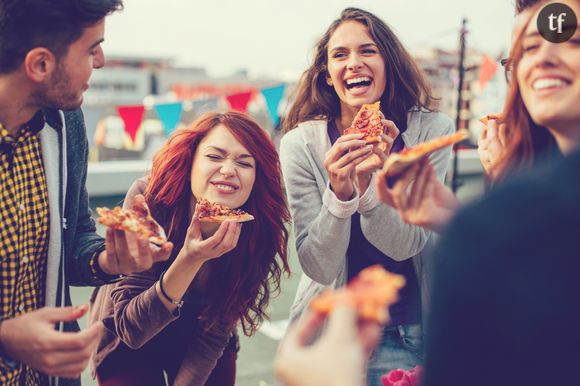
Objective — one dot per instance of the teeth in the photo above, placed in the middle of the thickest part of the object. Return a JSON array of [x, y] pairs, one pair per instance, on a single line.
[[544, 83], [358, 80], [227, 188]]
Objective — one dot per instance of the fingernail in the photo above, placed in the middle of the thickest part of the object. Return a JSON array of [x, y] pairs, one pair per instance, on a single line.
[[81, 308]]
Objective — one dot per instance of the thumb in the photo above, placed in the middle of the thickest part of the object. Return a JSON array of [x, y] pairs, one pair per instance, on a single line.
[[64, 314], [194, 231], [342, 323]]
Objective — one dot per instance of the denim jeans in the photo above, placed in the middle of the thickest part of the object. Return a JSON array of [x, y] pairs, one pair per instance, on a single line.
[[400, 347]]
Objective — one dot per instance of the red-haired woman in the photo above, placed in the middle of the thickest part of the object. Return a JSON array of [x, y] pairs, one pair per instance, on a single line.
[[180, 317]]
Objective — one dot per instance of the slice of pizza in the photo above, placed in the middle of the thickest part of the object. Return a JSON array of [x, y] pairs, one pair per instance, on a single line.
[[368, 120], [371, 292], [212, 212], [486, 118], [397, 163], [138, 219]]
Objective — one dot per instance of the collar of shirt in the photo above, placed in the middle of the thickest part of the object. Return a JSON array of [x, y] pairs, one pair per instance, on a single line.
[[32, 127]]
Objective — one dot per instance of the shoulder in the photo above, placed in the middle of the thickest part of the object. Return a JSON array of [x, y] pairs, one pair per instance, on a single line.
[[423, 125], [311, 132]]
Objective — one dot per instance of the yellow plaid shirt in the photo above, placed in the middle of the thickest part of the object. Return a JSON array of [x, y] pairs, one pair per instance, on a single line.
[[24, 231]]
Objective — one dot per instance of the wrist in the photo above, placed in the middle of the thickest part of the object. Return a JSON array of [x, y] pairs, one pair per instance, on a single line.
[[101, 269], [4, 355]]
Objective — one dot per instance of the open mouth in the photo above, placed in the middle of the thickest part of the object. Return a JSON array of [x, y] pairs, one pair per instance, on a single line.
[[361, 81]]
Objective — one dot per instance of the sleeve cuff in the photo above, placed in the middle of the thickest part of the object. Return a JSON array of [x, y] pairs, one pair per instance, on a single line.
[[338, 208], [369, 199]]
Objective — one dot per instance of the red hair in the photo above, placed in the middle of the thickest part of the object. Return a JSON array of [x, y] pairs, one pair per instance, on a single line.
[[242, 281]]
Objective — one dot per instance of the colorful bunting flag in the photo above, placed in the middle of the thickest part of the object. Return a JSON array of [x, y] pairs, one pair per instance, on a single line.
[[132, 117], [169, 114], [273, 97], [487, 71], [240, 101]]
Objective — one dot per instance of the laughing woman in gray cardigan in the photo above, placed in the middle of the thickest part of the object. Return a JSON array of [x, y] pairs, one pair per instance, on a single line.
[[340, 225]]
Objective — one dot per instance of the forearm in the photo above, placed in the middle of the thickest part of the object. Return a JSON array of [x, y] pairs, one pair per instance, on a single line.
[[176, 280]]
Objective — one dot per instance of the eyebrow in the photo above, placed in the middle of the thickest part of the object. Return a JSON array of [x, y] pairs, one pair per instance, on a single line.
[[95, 44], [366, 45], [224, 152]]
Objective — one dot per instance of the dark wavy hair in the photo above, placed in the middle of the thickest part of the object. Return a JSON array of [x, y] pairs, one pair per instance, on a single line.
[[528, 141], [242, 281], [54, 24], [406, 85]]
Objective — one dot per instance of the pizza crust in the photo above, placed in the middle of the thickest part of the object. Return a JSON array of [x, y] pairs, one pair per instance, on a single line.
[[397, 163], [217, 219]]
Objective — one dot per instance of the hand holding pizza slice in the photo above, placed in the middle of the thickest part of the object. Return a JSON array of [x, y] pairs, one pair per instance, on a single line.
[[372, 291], [138, 219], [369, 121], [397, 163], [212, 212]]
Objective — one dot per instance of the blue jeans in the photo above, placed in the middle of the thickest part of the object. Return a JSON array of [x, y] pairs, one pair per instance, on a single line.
[[400, 347]]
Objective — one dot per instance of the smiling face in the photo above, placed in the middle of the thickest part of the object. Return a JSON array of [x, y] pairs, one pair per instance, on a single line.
[[223, 170], [548, 76], [356, 68]]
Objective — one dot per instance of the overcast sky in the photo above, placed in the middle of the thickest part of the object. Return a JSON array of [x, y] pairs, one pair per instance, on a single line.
[[275, 37]]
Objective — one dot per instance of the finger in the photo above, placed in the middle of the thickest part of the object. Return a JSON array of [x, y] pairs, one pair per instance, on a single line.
[[111, 249], [482, 134], [130, 261], [503, 135], [492, 129], [382, 189], [216, 239], [194, 230], [369, 334], [342, 323], [417, 194], [54, 315], [302, 331], [391, 128], [349, 157], [342, 146], [77, 341], [163, 253], [401, 188], [122, 250], [228, 242]]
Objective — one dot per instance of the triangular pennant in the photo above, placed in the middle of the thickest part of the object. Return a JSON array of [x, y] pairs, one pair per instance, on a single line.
[[487, 71], [169, 114], [132, 117], [273, 97], [240, 101]]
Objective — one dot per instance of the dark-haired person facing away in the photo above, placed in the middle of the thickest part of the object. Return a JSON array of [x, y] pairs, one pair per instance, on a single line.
[[48, 50]]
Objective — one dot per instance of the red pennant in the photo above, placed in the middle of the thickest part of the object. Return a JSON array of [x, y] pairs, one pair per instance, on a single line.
[[487, 71], [240, 101], [132, 116]]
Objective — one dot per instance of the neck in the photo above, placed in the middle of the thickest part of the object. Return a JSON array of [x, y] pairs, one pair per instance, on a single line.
[[15, 106], [568, 140]]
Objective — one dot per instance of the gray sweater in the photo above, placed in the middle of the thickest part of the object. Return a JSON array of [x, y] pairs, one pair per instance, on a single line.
[[322, 222]]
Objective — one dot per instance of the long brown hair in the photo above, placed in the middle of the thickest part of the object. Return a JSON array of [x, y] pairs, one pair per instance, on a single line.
[[406, 85], [242, 281], [527, 141]]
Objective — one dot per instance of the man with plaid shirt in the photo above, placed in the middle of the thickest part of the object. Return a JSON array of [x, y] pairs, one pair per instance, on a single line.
[[48, 49]]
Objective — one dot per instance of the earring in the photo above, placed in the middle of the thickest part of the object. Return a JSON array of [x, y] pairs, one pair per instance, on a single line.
[[329, 82]]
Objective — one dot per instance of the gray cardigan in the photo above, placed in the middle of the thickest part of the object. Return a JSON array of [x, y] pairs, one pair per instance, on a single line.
[[322, 221]]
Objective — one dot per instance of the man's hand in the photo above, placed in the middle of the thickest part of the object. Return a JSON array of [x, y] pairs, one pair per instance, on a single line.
[[491, 146], [31, 339], [127, 253], [338, 358]]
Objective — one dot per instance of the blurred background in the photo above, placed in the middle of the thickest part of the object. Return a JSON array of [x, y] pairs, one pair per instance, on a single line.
[[168, 62]]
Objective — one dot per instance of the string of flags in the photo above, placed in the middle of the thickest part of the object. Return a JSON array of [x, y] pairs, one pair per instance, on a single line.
[[170, 113]]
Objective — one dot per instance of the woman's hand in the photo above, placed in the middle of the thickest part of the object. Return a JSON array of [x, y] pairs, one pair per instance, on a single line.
[[375, 161], [222, 241], [341, 162], [491, 145], [426, 202]]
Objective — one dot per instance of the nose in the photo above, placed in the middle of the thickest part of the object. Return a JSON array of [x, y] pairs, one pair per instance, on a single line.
[[99, 60], [354, 63], [228, 168], [547, 54]]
